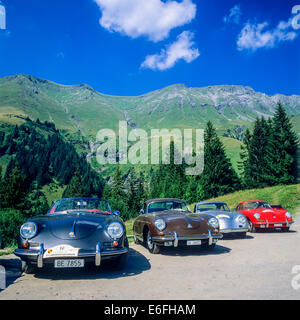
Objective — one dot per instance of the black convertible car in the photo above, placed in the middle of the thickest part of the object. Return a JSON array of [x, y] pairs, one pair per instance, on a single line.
[[74, 233]]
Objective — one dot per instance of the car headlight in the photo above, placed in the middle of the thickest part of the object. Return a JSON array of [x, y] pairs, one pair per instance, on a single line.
[[288, 214], [256, 216], [28, 230], [115, 230], [213, 222], [242, 219], [160, 224]]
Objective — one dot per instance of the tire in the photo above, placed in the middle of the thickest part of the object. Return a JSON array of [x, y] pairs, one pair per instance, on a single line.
[[207, 246], [286, 229], [28, 268], [151, 246], [136, 240], [251, 227]]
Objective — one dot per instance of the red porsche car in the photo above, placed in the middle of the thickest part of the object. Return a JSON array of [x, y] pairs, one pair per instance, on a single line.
[[261, 215]]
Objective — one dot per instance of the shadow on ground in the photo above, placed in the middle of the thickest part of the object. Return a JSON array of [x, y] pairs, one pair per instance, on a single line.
[[234, 237], [12, 270], [193, 251], [136, 264]]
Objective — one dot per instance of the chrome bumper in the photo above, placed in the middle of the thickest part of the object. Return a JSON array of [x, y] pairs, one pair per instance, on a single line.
[[175, 238], [37, 256], [267, 223], [238, 230]]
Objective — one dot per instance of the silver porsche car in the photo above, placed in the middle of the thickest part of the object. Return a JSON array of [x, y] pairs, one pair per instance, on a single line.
[[232, 223]]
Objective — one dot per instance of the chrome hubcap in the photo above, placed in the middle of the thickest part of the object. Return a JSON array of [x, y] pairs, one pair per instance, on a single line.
[[149, 241]]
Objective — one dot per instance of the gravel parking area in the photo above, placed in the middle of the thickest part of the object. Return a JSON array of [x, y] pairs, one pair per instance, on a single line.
[[258, 267]]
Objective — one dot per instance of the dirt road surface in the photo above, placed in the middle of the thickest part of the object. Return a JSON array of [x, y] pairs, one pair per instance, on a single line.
[[258, 267]]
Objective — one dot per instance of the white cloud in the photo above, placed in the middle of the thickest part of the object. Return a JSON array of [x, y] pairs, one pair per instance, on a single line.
[[182, 48], [2, 17], [234, 15], [151, 18], [255, 36]]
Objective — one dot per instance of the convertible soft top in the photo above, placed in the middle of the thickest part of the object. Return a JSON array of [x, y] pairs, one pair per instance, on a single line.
[[164, 199]]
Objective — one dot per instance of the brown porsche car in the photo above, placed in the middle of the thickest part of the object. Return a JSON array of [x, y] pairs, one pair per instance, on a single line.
[[170, 223]]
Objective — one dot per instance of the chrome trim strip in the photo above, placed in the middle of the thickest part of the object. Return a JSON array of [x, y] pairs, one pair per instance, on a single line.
[[267, 223], [175, 240], [40, 256], [172, 238], [210, 239], [98, 255], [35, 254]]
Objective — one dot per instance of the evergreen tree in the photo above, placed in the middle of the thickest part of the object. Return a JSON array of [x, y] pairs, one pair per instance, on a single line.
[[218, 176], [282, 150], [75, 187], [13, 190]]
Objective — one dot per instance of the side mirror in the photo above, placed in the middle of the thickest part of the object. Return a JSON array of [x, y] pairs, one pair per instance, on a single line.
[[116, 213], [142, 211]]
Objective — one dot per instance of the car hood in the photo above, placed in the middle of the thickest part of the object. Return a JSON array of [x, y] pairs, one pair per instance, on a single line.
[[270, 213], [74, 226], [220, 214], [183, 221]]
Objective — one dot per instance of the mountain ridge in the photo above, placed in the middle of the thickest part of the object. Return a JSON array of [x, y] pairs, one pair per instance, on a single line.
[[81, 107]]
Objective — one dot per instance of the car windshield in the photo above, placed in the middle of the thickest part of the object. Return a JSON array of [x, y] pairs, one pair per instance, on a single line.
[[212, 206], [65, 206], [167, 205], [257, 205]]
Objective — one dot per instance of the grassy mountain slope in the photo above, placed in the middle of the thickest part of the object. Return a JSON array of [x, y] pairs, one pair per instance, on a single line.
[[81, 107], [287, 196]]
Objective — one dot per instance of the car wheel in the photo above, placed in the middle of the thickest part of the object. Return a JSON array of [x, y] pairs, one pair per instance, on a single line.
[[28, 268], [136, 240], [207, 246], [286, 229], [151, 246], [251, 227]]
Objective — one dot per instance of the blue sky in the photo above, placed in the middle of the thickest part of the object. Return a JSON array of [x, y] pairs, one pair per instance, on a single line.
[[143, 45]]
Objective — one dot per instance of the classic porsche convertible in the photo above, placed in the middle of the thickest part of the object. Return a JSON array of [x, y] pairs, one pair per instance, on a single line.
[[261, 215], [232, 223], [170, 223], [75, 232]]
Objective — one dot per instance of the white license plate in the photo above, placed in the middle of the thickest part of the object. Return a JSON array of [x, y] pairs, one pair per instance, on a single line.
[[277, 224], [194, 242], [68, 263]]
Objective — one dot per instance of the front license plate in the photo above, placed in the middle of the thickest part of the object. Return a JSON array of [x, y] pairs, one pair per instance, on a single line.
[[194, 242], [278, 225], [68, 263]]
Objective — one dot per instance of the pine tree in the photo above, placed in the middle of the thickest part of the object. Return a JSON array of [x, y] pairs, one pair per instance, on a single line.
[[218, 176], [75, 187], [13, 191], [282, 150]]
